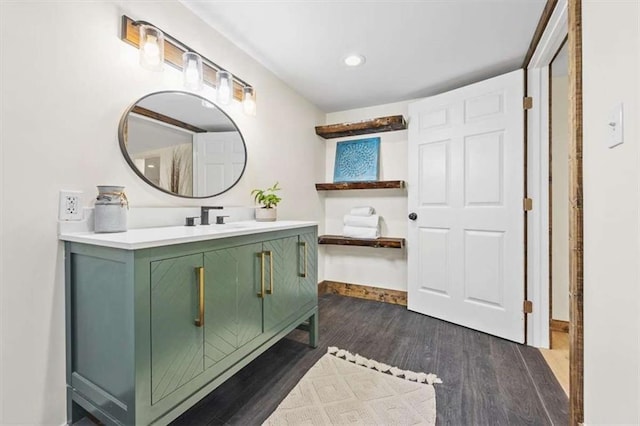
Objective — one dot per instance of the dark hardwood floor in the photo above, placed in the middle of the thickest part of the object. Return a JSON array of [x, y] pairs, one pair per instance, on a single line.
[[487, 380]]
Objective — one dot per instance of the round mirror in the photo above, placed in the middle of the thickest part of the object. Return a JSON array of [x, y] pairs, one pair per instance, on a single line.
[[182, 144]]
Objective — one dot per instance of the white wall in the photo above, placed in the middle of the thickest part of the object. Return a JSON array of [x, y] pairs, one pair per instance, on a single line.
[[386, 268], [611, 46], [560, 197], [66, 78]]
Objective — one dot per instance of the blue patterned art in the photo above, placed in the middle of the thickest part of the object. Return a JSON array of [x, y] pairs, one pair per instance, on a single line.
[[357, 161]]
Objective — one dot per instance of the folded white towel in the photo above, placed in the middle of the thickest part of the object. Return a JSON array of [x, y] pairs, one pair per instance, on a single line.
[[357, 232], [362, 211], [362, 221]]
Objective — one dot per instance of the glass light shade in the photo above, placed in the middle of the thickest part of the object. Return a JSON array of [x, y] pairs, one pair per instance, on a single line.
[[249, 101], [224, 87], [151, 48], [192, 71]]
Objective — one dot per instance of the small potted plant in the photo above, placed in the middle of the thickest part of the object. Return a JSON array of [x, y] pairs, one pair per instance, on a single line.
[[269, 200]]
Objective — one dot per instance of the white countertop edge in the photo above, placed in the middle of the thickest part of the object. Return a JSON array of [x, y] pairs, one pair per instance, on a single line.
[[135, 239]]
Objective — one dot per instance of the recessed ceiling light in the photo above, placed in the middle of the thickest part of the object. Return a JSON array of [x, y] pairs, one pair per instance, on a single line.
[[354, 60]]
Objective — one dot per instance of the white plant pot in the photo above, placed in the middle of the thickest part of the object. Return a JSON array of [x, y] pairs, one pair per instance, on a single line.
[[266, 215]]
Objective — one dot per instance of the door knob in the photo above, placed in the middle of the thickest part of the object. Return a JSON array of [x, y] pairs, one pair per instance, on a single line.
[[413, 216]]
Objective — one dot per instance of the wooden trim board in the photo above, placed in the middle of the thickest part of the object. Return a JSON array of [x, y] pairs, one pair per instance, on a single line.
[[576, 215], [137, 109], [559, 325], [537, 35], [381, 242], [396, 297], [342, 186], [375, 125]]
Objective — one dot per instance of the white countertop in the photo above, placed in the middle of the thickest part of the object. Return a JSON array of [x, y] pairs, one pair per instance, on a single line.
[[135, 239]]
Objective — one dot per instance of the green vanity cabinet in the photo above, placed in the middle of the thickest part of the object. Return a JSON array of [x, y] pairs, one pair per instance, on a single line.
[[151, 331], [177, 354], [281, 280], [233, 314], [290, 279], [308, 255]]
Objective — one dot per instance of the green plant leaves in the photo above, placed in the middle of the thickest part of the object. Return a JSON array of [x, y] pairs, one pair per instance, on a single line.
[[267, 197]]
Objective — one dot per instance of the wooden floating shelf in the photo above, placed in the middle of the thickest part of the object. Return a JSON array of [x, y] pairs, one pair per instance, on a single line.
[[341, 186], [375, 125], [381, 242]]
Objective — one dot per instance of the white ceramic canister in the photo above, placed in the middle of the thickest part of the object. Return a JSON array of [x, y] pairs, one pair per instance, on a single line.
[[111, 209]]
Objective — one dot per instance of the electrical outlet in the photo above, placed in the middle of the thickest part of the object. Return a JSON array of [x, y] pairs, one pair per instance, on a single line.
[[70, 205]]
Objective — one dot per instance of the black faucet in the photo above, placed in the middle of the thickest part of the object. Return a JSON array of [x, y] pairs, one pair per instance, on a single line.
[[204, 213]]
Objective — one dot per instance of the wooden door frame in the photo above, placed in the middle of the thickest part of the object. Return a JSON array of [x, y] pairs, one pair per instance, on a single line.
[[557, 15], [576, 216]]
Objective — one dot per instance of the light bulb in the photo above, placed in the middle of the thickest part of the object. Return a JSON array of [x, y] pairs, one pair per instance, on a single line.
[[151, 48], [224, 87], [192, 70], [249, 101], [223, 92]]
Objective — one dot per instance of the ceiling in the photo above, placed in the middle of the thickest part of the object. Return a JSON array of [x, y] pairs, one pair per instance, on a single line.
[[413, 48], [189, 109]]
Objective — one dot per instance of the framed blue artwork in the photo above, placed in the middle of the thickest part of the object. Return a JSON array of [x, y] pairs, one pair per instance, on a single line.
[[357, 161]]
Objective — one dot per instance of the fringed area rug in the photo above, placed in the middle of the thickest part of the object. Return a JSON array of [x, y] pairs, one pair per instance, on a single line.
[[346, 389]]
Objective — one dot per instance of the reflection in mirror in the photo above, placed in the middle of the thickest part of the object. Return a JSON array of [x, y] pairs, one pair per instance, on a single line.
[[182, 144], [559, 197]]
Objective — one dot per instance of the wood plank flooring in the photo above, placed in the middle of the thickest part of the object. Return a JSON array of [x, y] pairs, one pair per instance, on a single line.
[[558, 358], [487, 380]]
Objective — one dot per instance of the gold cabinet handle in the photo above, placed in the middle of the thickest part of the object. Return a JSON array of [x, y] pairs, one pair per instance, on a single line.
[[261, 294], [304, 272], [200, 320], [271, 288]]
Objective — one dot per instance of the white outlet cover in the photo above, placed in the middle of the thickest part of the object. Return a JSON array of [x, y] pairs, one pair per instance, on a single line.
[[70, 205], [615, 126]]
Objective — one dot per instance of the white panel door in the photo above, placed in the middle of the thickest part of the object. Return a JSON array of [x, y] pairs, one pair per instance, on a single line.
[[218, 160], [466, 186]]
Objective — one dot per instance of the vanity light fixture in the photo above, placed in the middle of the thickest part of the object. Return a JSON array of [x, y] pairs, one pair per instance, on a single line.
[[224, 87], [157, 47], [152, 48], [249, 101]]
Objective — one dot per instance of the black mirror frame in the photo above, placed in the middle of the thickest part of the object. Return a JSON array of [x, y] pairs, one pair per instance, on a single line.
[[127, 157]]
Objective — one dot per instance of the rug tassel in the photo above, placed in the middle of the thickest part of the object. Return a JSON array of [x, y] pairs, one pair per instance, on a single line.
[[410, 375], [357, 359], [396, 372]]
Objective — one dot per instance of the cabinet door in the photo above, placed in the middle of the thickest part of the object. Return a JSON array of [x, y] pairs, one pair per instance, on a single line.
[[308, 269], [233, 310], [176, 341], [281, 277]]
